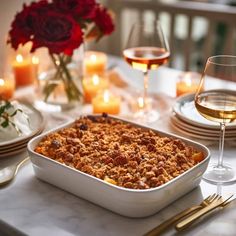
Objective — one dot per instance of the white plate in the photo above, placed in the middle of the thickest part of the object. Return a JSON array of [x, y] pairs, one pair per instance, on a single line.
[[20, 143], [17, 145], [203, 135], [17, 148], [184, 108], [188, 134], [14, 151], [8, 149], [36, 125], [198, 130]]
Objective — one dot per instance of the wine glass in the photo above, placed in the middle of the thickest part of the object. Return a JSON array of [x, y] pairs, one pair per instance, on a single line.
[[218, 103], [146, 49]]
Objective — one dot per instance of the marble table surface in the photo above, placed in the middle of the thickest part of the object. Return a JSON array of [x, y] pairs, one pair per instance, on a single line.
[[32, 207]]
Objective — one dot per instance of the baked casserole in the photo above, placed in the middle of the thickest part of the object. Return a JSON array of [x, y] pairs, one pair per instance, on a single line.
[[119, 153]]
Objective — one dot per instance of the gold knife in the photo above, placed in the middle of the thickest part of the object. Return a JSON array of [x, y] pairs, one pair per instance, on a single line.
[[165, 225], [192, 218]]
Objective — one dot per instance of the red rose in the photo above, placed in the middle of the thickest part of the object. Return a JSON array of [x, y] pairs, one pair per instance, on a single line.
[[78, 8], [22, 26], [103, 20], [57, 24], [58, 32]]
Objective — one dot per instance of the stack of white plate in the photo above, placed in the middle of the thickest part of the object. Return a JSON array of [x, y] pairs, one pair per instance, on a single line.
[[13, 145], [187, 120]]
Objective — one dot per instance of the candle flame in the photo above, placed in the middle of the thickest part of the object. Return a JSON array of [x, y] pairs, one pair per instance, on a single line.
[[35, 60], [95, 79], [93, 57], [140, 102], [19, 58], [2, 82], [188, 80], [106, 96]]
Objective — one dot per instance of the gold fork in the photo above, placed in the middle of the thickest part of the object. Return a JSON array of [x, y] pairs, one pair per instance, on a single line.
[[218, 202], [163, 226]]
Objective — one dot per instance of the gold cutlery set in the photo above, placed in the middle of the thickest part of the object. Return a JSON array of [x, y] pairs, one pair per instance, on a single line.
[[190, 215]]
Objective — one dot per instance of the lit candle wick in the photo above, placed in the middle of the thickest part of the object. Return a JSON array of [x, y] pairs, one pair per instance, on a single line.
[[106, 97], [2, 82], [140, 102], [188, 81], [96, 80], [19, 58], [93, 58], [35, 60]]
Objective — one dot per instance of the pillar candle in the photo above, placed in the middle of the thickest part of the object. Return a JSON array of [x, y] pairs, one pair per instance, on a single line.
[[106, 102], [7, 88], [92, 85], [24, 71], [95, 62], [188, 83]]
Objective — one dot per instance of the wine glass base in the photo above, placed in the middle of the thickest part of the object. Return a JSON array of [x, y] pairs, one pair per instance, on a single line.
[[220, 175], [145, 117]]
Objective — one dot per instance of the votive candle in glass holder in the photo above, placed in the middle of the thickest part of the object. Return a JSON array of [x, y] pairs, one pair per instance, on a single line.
[[92, 84], [106, 102], [7, 88], [136, 104], [187, 83], [95, 62]]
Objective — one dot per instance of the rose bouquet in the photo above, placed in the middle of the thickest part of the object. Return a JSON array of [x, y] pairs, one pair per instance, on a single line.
[[61, 26]]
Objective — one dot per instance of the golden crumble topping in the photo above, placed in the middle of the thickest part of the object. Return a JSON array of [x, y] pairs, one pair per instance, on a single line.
[[119, 153]]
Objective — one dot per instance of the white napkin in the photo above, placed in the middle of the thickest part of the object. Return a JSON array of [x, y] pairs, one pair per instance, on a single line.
[[20, 120]]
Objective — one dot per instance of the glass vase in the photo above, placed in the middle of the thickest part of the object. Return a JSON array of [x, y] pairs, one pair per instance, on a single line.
[[59, 88]]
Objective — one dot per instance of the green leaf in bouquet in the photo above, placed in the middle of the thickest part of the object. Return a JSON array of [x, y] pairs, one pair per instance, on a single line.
[[48, 89]]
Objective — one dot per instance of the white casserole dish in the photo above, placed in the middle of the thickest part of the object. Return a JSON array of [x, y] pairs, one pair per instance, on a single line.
[[127, 202]]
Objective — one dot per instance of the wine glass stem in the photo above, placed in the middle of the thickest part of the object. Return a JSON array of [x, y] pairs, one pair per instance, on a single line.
[[221, 145], [145, 85]]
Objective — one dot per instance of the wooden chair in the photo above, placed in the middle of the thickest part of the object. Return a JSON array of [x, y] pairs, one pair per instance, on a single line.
[[218, 20]]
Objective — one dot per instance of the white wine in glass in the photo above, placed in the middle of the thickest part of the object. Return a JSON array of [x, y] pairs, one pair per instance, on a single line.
[[146, 49], [218, 104]]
